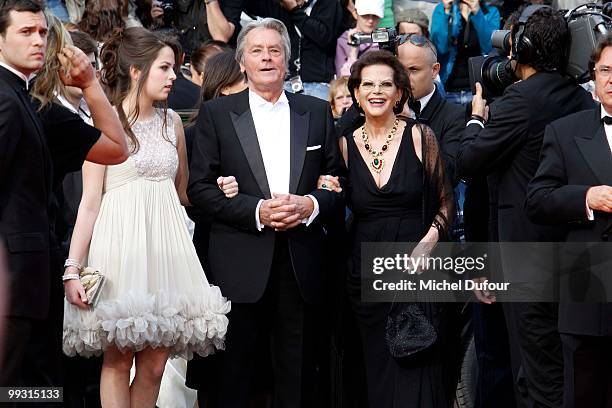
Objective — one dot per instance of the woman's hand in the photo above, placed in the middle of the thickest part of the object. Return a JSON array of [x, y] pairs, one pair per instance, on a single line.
[[74, 290], [330, 183], [228, 185], [419, 256], [448, 5], [474, 5]]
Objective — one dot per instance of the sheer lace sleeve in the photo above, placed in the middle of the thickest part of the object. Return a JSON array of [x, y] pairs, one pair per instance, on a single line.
[[438, 197]]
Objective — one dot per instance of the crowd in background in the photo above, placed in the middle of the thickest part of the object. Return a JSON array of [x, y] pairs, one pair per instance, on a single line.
[[325, 59]]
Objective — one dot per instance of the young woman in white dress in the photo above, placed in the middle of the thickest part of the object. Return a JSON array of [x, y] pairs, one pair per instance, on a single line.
[[157, 302]]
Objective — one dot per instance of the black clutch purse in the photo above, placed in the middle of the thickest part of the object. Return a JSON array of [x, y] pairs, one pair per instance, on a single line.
[[408, 330]]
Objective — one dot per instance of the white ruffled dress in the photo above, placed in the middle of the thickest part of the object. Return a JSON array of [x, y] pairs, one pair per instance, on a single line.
[[156, 293]]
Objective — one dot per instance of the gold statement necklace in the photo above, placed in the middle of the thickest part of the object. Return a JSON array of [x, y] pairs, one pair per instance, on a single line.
[[378, 162]]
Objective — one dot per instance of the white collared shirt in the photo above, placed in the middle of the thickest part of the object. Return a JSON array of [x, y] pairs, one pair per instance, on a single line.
[[19, 74], [272, 124], [273, 133], [425, 100], [83, 110]]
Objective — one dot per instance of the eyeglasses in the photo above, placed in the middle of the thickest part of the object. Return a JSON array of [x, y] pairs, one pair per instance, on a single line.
[[417, 40], [604, 71], [385, 86]]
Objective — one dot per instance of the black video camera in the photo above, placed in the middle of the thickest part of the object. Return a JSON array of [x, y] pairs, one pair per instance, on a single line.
[[586, 23], [386, 38], [168, 18]]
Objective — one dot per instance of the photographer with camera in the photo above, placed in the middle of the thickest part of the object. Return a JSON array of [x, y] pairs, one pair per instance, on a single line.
[[461, 29], [367, 14], [508, 147]]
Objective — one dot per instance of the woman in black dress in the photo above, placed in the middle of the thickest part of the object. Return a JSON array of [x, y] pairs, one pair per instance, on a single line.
[[392, 166]]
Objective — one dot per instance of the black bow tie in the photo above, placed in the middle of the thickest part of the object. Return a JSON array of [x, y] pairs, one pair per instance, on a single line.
[[415, 106], [607, 120]]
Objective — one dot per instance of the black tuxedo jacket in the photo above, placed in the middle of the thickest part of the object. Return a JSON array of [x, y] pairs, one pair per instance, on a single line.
[[25, 184], [184, 95], [575, 156], [447, 120], [226, 143], [509, 147]]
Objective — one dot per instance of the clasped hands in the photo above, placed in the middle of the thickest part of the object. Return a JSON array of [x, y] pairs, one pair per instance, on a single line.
[[281, 212], [285, 211]]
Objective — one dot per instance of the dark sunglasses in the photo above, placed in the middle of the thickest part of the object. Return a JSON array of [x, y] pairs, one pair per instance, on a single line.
[[417, 40]]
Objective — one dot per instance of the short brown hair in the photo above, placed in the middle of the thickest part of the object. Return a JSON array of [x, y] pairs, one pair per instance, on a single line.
[[84, 42], [400, 78], [603, 43], [6, 6]]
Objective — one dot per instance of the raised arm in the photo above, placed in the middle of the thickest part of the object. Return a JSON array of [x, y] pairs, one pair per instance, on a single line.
[[111, 147], [219, 27]]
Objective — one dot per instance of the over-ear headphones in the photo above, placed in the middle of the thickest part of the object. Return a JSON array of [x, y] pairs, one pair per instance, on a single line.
[[523, 50]]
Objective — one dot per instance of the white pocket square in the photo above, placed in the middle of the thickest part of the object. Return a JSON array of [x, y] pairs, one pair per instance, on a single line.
[[311, 148]]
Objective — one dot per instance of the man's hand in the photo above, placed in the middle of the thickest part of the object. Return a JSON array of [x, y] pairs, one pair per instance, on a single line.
[[279, 207], [302, 209], [599, 198], [484, 295], [479, 105], [76, 68]]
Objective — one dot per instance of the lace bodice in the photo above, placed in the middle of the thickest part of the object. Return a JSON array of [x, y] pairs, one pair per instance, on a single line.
[[156, 158]]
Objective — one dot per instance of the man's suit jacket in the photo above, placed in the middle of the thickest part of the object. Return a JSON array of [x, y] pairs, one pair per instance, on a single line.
[[185, 94], [575, 156], [226, 143], [447, 120], [25, 184], [509, 146]]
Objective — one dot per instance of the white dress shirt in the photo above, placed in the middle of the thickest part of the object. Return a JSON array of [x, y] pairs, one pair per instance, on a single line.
[[608, 130], [272, 124], [83, 110], [425, 100]]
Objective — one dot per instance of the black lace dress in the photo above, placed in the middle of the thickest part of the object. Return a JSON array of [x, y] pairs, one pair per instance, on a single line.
[[393, 213]]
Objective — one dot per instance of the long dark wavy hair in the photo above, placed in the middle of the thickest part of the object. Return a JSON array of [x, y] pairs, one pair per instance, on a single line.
[[131, 47], [102, 16], [222, 70]]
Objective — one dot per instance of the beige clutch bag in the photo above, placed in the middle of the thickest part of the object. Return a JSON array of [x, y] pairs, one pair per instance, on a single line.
[[93, 281]]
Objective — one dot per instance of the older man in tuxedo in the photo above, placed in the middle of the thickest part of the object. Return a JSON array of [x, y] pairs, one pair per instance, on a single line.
[[266, 243], [573, 187]]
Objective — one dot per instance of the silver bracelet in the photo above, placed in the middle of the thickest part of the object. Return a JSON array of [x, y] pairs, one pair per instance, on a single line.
[[73, 262], [70, 276]]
